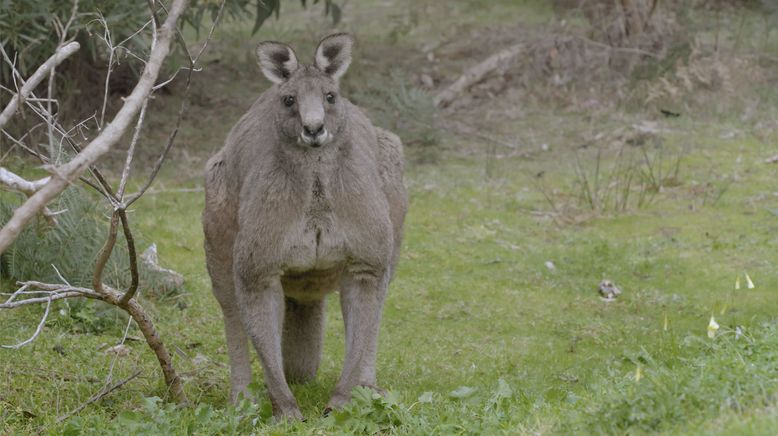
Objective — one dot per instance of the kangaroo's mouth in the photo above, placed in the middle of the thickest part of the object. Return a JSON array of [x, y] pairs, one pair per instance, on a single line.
[[315, 141]]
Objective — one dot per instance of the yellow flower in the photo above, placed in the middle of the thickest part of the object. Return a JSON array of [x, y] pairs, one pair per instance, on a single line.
[[713, 326], [749, 283]]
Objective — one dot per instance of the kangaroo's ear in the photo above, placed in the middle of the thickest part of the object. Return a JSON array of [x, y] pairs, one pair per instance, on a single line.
[[276, 60], [333, 55]]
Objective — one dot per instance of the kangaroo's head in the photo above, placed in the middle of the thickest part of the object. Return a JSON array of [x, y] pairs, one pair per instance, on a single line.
[[308, 108]]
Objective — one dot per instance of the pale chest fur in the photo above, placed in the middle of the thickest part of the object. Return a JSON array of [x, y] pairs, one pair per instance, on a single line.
[[315, 239]]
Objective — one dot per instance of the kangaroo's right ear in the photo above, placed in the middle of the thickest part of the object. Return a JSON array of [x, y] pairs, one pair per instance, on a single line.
[[276, 60]]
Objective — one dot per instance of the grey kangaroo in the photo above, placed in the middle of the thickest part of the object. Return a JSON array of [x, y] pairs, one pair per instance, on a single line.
[[305, 198]]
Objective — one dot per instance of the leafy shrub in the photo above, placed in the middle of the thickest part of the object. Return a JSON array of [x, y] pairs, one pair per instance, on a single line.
[[71, 246], [70, 249], [29, 28]]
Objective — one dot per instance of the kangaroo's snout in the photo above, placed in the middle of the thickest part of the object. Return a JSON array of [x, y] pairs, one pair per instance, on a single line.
[[315, 135], [312, 115], [314, 130]]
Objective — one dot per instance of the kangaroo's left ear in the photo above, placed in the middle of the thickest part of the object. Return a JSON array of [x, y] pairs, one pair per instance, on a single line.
[[333, 55]]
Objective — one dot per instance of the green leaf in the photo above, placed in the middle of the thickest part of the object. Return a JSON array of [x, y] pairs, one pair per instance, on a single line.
[[265, 9], [336, 14]]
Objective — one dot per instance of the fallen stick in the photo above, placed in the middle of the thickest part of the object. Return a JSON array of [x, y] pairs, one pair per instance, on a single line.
[[476, 73], [98, 396]]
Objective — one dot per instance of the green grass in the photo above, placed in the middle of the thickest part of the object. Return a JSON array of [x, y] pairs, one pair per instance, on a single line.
[[473, 304], [478, 335]]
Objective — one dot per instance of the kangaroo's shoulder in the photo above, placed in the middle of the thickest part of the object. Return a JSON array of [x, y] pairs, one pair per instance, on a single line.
[[358, 119]]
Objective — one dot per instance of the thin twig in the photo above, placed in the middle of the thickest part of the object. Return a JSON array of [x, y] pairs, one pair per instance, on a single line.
[[618, 49], [99, 395], [60, 55], [131, 151]]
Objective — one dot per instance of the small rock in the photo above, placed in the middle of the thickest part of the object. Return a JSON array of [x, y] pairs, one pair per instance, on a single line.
[[427, 81], [166, 278], [545, 147], [608, 290], [550, 265]]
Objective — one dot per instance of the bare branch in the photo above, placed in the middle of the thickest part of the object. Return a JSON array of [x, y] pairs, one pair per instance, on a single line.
[[110, 135], [60, 55], [133, 259], [105, 254], [37, 330], [13, 182]]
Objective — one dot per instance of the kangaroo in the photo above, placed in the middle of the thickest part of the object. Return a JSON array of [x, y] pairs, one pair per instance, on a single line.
[[305, 198]]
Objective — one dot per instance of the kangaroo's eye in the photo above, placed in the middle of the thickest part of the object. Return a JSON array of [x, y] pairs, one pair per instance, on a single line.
[[289, 101], [330, 98]]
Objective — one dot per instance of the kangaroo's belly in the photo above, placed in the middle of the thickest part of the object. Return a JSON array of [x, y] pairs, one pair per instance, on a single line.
[[316, 257]]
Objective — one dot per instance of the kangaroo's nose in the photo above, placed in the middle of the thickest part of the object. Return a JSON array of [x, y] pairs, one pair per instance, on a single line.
[[313, 130]]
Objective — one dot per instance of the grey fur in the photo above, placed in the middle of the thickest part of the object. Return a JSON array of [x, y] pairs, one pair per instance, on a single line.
[[290, 218]]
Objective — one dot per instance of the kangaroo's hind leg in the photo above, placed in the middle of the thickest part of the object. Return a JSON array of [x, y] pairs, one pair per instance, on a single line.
[[302, 339]]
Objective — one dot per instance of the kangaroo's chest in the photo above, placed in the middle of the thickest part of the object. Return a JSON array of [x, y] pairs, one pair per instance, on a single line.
[[316, 238]]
